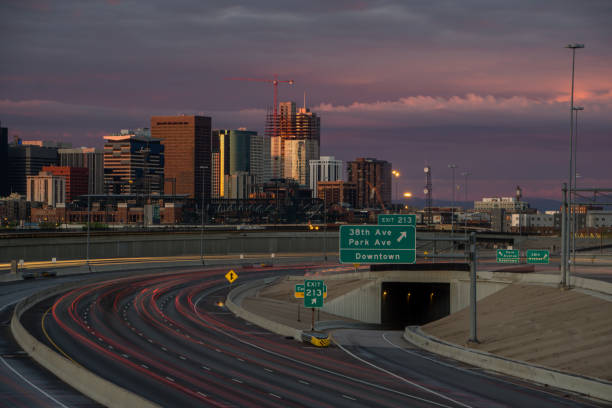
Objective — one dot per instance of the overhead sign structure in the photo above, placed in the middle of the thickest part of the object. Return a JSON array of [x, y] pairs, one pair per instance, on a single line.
[[538, 256], [313, 293], [231, 276], [507, 256], [299, 291], [377, 244], [396, 219]]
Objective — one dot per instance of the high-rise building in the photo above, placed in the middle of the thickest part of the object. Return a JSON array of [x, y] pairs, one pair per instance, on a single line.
[[297, 156], [76, 180], [27, 160], [337, 192], [4, 162], [327, 168], [90, 158], [187, 144], [133, 163], [373, 180], [292, 124], [46, 188], [235, 151], [239, 185]]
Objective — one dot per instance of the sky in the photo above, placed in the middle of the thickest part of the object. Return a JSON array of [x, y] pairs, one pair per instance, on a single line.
[[482, 84]]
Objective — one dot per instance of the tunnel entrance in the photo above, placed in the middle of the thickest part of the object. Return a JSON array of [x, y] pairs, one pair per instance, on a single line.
[[411, 303]]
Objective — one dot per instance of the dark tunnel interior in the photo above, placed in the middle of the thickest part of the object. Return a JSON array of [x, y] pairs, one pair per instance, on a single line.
[[410, 303]]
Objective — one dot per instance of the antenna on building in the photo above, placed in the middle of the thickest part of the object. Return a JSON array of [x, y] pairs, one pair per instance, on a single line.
[[304, 101]]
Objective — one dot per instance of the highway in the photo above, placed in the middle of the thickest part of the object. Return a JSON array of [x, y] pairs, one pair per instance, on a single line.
[[170, 339]]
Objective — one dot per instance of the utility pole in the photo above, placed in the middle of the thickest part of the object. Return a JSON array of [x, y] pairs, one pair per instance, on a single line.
[[453, 167], [473, 297], [203, 168]]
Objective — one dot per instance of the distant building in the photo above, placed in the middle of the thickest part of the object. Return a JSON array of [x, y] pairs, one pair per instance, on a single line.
[[46, 188], [326, 168], [46, 143], [297, 156], [373, 180], [133, 163], [76, 180], [292, 124], [4, 163], [90, 158], [506, 203], [599, 219], [187, 144], [239, 185], [27, 160], [337, 192]]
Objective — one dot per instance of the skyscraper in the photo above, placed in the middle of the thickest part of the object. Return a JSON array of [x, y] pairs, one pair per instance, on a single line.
[[373, 180], [293, 124], [4, 164], [297, 156], [327, 168], [238, 151], [187, 143], [133, 163], [90, 158], [27, 160], [76, 180]]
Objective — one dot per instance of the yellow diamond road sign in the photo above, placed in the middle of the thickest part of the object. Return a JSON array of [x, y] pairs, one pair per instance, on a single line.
[[231, 276]]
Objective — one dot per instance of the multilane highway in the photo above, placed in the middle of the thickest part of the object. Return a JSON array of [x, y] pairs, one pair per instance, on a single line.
[[170, 339]]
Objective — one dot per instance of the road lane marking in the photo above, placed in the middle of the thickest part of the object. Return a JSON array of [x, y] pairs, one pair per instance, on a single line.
[[144, 366], [183, 357], [42, 324], [202, 394], [349, 397], [268, 370], [237, 380], [304, 382], [170, 379], [206, 368], [274, 395], [403, 379]]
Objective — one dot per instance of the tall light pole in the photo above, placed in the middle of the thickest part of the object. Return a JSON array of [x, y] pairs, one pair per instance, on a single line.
[[465, 174], [453, 167], [203, 168], [396, 174], [575, 109], [568, 214]]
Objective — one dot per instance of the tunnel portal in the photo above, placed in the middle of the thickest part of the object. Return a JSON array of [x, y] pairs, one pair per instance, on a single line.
[[411, 303]]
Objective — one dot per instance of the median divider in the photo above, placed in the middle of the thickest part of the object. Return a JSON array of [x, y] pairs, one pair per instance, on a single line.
[[88, 383], [592, 387]]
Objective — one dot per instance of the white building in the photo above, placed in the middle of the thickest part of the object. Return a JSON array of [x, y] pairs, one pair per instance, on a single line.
[[260, 165], [239, 185], [599, 219], [327, 168], [506, 203], [46, 188], [533, 220]]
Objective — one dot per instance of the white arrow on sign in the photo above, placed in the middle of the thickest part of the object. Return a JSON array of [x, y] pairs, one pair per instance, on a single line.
[[402, 236], [313, 301]]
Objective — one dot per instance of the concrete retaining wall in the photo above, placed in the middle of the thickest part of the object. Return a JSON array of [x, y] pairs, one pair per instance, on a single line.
[[233, 303], [120, 245], [95, 387], [584, 385]]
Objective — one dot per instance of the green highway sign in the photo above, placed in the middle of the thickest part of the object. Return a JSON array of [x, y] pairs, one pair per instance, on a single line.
[[313, 293], [538, 256], [299, 291], [507, 256], [396, 219], [377, 244]]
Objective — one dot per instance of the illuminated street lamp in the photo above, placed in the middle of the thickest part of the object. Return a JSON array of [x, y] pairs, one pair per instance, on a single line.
[[576, 109], [396, 174]]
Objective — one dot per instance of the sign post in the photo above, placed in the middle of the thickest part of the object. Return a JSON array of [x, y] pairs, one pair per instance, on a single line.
[[377, 244], [313, 296]]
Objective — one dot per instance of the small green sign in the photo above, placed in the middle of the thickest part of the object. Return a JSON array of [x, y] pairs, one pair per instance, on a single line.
[[313, 293], [396, 219], [538, 256], [507, 256]]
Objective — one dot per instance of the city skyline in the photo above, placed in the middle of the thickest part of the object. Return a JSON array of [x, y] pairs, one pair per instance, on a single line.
[[483, 85]]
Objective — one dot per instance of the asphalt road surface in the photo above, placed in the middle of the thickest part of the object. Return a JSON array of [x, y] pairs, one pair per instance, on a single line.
[[170, 339]]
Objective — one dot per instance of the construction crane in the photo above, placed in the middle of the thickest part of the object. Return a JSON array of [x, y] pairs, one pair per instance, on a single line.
[[274, 83]]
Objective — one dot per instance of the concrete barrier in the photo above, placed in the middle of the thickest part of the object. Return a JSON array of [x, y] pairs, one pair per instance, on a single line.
[[592, 387], [233, 303], [88, 383]]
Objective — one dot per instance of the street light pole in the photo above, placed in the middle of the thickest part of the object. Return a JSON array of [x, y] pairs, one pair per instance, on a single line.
[[575, 109], [453, 167], [465, 174], [568, 215], [88, 222], [202, 229], [396, 174]]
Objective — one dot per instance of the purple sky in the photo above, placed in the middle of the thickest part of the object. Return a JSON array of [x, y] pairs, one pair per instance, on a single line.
[[483, 84]]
